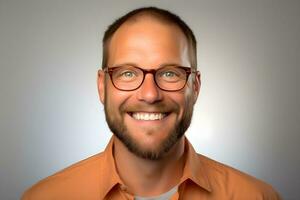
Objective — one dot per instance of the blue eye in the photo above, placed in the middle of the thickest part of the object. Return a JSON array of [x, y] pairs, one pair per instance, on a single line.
[[169, 74], [128, 74]]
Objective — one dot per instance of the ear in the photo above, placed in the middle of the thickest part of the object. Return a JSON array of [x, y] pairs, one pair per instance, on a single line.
[[101, 85], [196, 85]]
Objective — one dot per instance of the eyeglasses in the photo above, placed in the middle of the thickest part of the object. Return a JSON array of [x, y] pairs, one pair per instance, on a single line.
[[167, 78]]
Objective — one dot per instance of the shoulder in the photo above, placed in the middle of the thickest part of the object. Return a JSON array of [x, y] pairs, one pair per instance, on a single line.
[[83, 175], [234, 183]]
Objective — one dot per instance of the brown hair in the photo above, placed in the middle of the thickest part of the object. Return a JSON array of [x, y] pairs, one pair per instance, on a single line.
[[160, 14]]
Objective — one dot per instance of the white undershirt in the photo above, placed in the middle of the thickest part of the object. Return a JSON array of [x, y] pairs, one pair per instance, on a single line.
[[164, 196]]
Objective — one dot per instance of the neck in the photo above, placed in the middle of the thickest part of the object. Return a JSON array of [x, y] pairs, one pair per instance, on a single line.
[[149, 177]]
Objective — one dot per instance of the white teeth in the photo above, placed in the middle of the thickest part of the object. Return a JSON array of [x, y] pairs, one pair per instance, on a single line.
[[148, 116]]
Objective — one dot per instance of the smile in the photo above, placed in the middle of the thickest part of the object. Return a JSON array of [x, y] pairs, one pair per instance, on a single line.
[[148, 116]]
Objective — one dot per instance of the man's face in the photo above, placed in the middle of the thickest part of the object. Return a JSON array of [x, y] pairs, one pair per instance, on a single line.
[[148, 44]]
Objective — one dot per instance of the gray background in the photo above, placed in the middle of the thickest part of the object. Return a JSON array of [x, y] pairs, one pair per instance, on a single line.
[[247, 115]]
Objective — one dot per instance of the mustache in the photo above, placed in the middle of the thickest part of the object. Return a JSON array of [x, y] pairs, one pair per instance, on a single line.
[[157, 107]]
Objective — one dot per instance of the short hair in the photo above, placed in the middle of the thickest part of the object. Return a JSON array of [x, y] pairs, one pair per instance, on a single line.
[[160, 14]]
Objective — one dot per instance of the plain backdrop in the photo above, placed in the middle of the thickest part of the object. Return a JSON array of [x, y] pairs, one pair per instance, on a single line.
[[247, 115]]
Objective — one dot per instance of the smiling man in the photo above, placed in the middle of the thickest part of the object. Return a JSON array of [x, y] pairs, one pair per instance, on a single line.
[[149, 84]]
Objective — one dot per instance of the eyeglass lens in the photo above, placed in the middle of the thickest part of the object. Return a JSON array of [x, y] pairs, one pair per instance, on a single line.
[[167, 78]]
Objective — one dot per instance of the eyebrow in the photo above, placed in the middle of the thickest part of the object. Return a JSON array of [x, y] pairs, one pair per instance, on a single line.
[[136, 65]]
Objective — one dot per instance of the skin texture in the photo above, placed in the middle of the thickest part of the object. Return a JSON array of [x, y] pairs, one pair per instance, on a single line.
[[151, 151]]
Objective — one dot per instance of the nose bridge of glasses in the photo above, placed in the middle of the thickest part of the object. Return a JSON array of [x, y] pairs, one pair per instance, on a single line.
[[149, 71], [149, 91]]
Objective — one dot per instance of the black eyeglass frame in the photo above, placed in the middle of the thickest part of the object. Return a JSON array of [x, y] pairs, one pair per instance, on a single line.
[[188, 71]]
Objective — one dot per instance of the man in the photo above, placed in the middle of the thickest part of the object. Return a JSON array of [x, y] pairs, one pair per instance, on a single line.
[[149, 84]]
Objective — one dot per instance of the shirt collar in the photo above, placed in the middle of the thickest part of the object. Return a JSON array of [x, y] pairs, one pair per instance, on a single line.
[[109, 176], [193, 170]]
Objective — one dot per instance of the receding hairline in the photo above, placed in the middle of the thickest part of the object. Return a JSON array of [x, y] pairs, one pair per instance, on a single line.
[[149, 14], [152, 17], [164, 17]]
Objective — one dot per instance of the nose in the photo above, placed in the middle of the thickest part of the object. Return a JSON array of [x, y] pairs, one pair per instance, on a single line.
[[148, 91]]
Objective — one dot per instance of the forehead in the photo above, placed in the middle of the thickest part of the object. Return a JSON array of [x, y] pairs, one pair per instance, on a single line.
[[147, 39]]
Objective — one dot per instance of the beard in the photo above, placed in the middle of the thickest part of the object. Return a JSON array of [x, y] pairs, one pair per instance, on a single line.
[[120, 130]]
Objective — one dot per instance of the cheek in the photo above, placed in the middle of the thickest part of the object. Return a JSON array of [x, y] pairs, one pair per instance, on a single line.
[[179, 98], [185, 101], [189, 93], [114, 98]]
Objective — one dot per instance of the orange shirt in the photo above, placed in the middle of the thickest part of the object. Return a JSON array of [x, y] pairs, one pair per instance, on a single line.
[[96, 178]]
